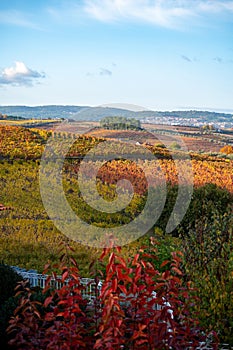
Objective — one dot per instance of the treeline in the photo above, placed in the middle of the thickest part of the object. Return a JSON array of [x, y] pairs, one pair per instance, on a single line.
[[120, 123], [10, 117]]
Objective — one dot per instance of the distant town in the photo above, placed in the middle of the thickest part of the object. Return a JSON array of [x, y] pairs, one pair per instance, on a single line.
[[195, 122]]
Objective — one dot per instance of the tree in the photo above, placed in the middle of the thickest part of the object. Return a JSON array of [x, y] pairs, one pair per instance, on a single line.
[[207, 129]]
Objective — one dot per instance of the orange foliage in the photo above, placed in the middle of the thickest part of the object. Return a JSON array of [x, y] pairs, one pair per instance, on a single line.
[[227, 149]]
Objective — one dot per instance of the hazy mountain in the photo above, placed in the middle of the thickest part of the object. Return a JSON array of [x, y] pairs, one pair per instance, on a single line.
[[97, 113], [50, 111]]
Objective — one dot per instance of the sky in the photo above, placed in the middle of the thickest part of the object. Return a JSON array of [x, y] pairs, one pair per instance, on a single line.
[[158, 54]]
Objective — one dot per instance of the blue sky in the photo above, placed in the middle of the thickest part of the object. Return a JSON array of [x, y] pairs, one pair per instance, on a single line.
[[173, 54]]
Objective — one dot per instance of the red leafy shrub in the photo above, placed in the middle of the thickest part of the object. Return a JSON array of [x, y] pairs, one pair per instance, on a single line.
[[138, 308]]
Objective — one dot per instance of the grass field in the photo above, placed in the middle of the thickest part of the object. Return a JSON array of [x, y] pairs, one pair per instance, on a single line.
[[25, 122]]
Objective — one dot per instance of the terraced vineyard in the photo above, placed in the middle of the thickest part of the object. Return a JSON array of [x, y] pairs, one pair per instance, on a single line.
[[29, 238]]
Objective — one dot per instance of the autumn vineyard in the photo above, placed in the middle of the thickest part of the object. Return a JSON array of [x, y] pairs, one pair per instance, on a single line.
[[188, 270]]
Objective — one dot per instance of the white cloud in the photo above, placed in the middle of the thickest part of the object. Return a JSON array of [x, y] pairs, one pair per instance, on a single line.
[[100, 72], [19, 75], [216, 6], [17, 18], [166, 13], [158, 13]]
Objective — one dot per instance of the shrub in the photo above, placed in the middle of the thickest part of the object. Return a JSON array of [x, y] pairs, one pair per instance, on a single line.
[[174, 145], [6, 311], [208, 261], [205, 200], [138, 308], [8, 281]]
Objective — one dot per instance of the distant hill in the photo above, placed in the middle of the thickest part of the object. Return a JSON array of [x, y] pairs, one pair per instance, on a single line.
[[70, 112], [44, 112], [97, 113]]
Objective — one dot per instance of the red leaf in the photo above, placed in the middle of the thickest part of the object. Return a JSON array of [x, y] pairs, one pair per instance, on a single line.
[[177, 271], [49, 316], [63, 302], [46, 267], [135, 260], [164, 263], [74, 262], [48, 301], [37, 314], [104, 253], [118, 248], [65, 275], [114, 285], [122, 288], [159, 285], [76, 278], [111, 258], [122, 261]]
